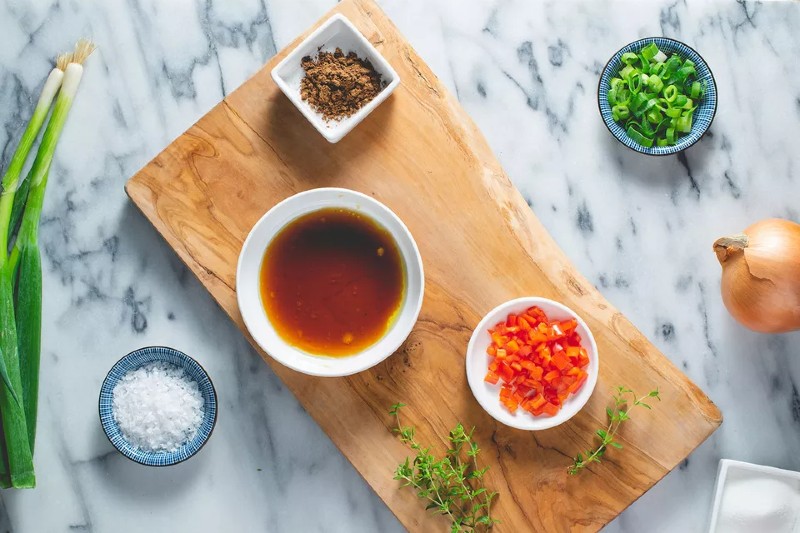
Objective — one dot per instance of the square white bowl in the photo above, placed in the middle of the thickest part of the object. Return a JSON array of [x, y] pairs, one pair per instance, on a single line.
[[762, 479], [336, 32]]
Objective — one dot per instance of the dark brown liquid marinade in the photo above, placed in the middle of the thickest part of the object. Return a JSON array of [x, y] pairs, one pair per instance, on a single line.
[[332, 282]]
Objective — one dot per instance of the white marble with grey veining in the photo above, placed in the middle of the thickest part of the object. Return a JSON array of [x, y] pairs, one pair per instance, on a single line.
[[639, 228]]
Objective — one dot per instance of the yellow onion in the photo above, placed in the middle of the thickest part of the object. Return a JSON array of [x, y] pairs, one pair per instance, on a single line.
[[761, 275]]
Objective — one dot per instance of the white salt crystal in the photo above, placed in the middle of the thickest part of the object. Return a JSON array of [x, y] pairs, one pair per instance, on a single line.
[[158, 407], [752, 504]]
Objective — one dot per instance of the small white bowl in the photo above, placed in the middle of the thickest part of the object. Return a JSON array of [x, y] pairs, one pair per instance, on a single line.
[[248, 282], [783, 507], [336, 32], [488, 395]]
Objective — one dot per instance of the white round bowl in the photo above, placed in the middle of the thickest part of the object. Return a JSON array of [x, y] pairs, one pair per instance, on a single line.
[[488, 395], [248, 279]]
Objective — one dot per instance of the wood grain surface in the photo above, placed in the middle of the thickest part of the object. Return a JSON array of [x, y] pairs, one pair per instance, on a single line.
[[481, 244]]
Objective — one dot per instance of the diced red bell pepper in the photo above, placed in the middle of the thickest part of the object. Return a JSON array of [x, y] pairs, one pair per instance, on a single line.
[[539, 363], [560, 360], [551, 409], [491, 377]]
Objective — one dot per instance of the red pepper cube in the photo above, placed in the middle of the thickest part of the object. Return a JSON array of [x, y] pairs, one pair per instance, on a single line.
[[505, 372], [567, 326], [550, 409], [498, 339], [536, 336], [560, 360], [550, 376], [584, 358], [573, 352]]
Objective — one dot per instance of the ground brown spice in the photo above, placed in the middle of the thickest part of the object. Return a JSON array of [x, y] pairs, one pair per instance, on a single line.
[[337, 85]]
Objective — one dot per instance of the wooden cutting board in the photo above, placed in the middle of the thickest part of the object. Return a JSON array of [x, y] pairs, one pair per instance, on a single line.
[[421, 154]]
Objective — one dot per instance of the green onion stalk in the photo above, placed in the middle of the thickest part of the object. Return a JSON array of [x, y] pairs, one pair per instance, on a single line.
[[20, 317], [11, 405]]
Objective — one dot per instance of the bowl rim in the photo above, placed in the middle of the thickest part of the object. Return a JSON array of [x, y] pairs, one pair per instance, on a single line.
[[107, 379], [539, 423], [677, 148], [414, 300]]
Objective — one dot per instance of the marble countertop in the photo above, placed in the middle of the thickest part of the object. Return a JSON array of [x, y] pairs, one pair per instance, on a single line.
[[639, 228]]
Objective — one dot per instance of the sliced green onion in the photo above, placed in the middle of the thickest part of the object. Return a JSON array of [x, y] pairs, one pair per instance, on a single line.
[[672, 65], [683, 74], [654, 96], [625, 72], [684, 124], [651, 103], [637, 103], [621, 112], [647, 129], [645, 64], [671, 135], [650, 51], [654, 116], [670, 93], [663, 125], [655, 83], [635, 82], [638, 137]]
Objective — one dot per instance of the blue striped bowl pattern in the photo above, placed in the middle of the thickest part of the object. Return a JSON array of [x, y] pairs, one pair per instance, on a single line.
[[139, 358], [703, 116]]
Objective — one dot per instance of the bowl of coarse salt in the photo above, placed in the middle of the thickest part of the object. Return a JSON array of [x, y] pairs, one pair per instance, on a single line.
[[158, 406]]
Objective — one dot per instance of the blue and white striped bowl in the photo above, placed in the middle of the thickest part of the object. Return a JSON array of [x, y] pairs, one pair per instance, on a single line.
[[139, 358], [703, 116]]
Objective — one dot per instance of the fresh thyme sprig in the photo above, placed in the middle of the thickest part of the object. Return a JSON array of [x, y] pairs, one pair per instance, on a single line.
[[452, 485], [624, 400]]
